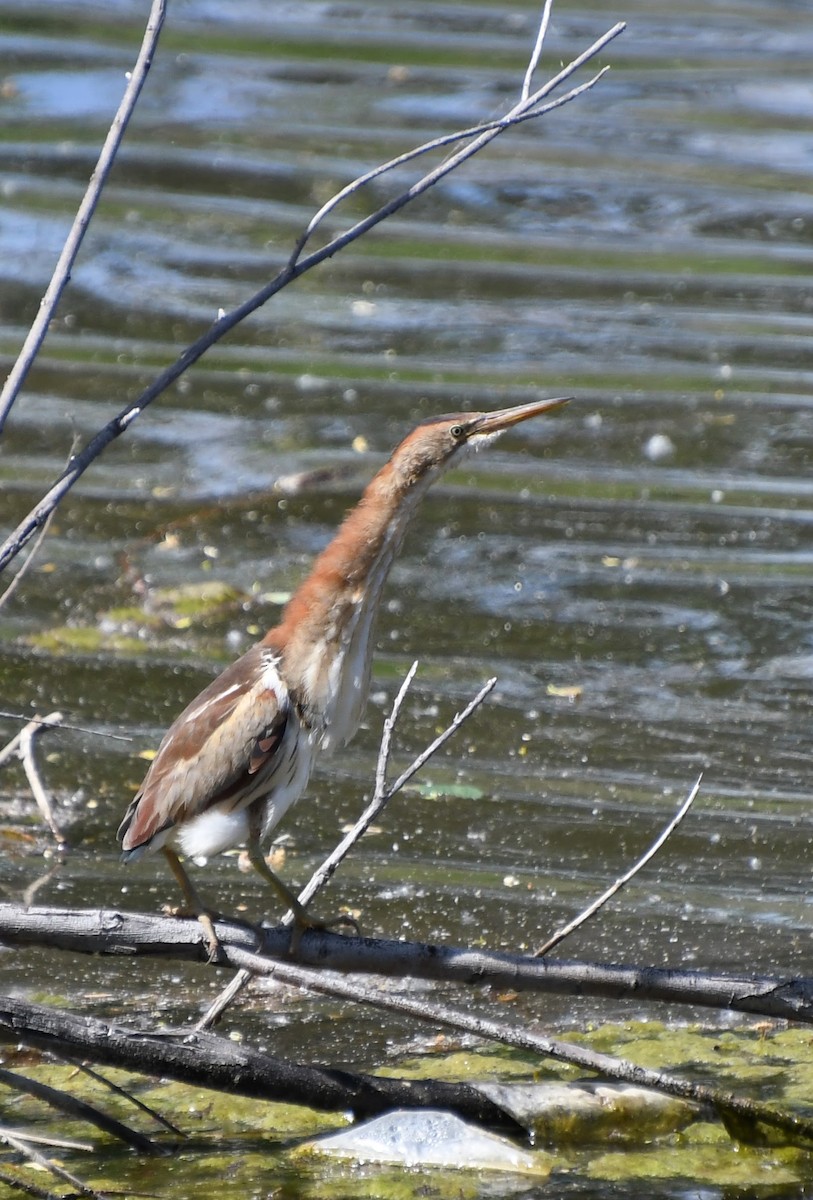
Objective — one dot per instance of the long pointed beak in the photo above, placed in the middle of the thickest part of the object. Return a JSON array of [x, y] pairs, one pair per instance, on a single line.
[[504, 418]]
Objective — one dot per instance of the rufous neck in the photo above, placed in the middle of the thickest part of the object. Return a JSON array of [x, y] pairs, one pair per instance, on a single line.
[[325, 638]]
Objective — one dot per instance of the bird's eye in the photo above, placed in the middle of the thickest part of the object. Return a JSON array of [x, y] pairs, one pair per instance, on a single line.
[[457, 433]]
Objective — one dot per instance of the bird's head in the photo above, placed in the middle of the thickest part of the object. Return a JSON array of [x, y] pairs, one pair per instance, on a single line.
[[437, 443]]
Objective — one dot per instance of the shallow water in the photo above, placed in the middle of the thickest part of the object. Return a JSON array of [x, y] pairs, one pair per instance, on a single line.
[[647, 249]]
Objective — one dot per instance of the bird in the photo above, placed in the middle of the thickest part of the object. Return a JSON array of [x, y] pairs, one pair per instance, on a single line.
[[241, 753]]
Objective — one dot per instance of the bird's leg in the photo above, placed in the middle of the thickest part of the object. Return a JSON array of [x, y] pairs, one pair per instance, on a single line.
[[257, 860], [194, 902], [302, 919]]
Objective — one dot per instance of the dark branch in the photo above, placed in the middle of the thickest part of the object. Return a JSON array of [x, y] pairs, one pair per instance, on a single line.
[[206, 1060], [79, 1110]]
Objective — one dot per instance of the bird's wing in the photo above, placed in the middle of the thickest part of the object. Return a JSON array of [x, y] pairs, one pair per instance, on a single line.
[[213, 752]]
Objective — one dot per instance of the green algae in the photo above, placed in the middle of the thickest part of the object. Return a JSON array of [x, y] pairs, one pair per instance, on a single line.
[[84, 639], [721, 1165], [248, 1144], [125, 629]]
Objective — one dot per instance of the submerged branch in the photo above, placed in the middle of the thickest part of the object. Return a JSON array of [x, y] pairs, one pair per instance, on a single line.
[[210, 1061], [207, 1060], [744, 1119], [78, 1110]]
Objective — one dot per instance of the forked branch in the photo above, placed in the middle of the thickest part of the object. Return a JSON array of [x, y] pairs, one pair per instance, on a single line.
[[381, 797], [530, 107]]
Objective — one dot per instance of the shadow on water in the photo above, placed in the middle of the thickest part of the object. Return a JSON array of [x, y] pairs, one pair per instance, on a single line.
[[648, 249]]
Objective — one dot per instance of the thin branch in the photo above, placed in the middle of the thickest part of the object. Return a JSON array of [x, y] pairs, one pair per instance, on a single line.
[[30, 557], [79, 1110], [496, 126], [537, 51], [27, 564], [224, 999], [28, 1151], [526, 110], [382, 797], [12, 748], [26, 751], [36, 885], [55, 1143], [6, 751], [593, 908], [442, 738], [73, 242], [125, 1095], [361, 826]]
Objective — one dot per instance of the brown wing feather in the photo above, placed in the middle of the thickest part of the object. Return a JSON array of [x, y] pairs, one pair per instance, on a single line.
[[227, 733]]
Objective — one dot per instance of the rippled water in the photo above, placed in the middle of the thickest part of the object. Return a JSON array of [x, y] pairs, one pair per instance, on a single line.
[[647, 249]]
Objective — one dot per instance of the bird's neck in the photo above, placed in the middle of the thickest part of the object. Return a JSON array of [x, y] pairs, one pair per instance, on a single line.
[[325, 639]]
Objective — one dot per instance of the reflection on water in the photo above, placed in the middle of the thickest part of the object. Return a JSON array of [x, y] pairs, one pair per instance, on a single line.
[[647, 249]]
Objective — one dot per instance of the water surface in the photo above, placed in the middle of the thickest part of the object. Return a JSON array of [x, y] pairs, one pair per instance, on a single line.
[[635, 570]]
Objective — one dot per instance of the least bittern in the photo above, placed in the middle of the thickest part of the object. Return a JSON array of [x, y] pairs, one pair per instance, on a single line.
[[240, 754]]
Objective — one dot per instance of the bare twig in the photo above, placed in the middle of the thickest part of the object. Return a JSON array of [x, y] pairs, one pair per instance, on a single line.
[[26, 752], [31, 556], [225, 998], [381, 798], [27, 564], [8, 749], [62, 271], [537, 51], [27, 1150], [442, 738], [384, 794], [361, 826], [125, 1095], [593, 908], [36, 885], [528, 109], [55, 1143]]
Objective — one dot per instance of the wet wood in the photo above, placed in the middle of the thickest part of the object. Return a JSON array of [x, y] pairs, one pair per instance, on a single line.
[[207, 1060], [110, 932]]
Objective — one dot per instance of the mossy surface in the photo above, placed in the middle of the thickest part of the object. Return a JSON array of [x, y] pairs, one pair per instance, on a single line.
[[131, 629], [246, 1145]]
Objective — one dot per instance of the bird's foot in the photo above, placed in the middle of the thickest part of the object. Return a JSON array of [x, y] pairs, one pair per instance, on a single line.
[[207, 918], [343, 919], [304, 922], [210, 937]]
